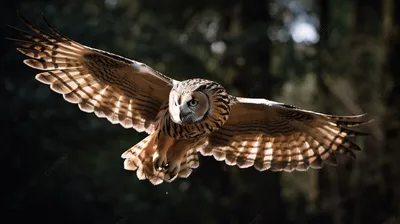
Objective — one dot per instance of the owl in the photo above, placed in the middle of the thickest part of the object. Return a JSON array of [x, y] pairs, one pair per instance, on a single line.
[[183, 118]]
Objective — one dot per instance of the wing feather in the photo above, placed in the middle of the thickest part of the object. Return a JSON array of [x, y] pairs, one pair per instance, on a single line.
[[279, 137], [122, 90]]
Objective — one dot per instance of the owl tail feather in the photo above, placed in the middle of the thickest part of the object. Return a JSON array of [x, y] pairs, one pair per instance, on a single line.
[[141, 158]]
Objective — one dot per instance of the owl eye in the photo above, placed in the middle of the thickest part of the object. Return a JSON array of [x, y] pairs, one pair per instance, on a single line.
[[192, 103]]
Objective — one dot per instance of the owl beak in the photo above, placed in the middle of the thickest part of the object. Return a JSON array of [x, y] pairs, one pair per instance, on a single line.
[[179, 114], [176, 115], [185, 117], [181, 117]]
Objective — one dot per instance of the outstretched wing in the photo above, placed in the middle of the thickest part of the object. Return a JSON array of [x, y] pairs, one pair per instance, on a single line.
[[122, 90], [275, 136]]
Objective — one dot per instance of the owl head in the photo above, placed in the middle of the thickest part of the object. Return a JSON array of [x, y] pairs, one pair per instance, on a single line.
[[189, 102]]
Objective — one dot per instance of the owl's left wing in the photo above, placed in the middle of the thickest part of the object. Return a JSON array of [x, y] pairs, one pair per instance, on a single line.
[[275, 136], [122, 90]]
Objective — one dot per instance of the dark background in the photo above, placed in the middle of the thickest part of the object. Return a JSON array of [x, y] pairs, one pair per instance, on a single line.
[[61, 165]]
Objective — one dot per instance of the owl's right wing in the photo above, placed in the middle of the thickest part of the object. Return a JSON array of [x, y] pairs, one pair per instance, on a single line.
[[279, 137], [122, 90]]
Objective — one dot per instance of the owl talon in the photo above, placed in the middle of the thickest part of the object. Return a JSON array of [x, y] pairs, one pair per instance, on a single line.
[[160, 163], [173, 171]]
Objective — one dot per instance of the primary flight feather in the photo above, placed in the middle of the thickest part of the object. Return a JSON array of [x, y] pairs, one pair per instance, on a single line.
[[183, 118]]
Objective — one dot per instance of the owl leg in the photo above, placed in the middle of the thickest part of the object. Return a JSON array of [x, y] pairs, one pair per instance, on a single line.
[[160, 162], [164, 142], [140, 158], [175, 156]]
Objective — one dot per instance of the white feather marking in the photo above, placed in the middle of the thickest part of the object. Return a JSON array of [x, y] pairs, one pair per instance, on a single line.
[[268, 151], [253, 152], [309, 153], [103, 90], [99, 97], [297, 153], [326, 133], [305, 146], [321, 150], [240, 149], [332, 130], [116, 109], [289, 153], [130, 114], [267, 156]]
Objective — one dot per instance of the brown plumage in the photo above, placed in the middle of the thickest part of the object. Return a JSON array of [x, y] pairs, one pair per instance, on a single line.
[[184, 117]]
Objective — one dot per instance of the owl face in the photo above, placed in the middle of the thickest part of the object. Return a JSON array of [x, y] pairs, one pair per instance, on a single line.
[[188, 107]]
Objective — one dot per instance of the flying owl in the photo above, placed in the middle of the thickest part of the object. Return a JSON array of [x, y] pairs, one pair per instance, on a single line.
[[183, 118]]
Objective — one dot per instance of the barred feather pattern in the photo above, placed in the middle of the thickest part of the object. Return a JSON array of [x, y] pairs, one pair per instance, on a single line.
[[283, 138], [139, 158], [241, 131], [157, 176], [122, 90], [216, 117]]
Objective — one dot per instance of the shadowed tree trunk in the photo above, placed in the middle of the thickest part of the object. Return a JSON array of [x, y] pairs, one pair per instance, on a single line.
[[328, 192], [391, 121], [342, 189], [369, 200], [262, 201]]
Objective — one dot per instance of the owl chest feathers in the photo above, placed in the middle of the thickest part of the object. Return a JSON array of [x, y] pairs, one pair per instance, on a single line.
[[216, 116], [176, 143]]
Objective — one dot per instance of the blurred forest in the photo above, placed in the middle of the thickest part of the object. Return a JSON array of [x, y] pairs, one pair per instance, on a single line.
[[61, 165]]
